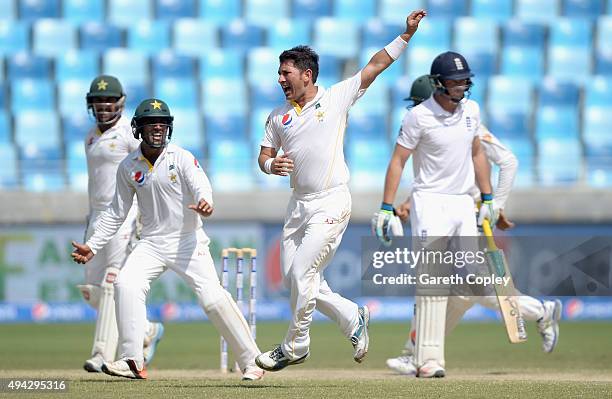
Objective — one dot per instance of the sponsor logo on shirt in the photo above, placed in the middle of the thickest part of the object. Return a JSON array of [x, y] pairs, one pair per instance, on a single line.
[[468, 122], [287, 119], [139, 177], [196, 163]]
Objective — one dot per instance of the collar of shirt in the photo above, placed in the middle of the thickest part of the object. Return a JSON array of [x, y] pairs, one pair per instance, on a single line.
[[439, 111], [317, 97], [138, 156]]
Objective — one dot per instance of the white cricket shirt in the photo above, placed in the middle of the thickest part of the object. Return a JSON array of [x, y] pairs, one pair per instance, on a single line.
[[442, 146], [104, 152], [313, 136], [164, 191]]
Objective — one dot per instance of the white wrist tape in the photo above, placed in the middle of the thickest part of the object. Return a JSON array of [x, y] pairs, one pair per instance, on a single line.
[[396, 47], [268, 165]]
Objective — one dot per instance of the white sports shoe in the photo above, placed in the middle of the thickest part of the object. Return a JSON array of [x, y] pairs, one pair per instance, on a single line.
[[252, 373], [403, 364], [548, 326], [94, 365], [151, 340], [275, 360], [431, 369], [125, 368], [360, 338]]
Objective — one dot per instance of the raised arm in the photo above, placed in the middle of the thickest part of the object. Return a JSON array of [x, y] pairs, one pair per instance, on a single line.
[[385, 57]]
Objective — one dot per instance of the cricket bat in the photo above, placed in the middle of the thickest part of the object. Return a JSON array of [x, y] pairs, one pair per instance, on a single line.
[[508, 305]]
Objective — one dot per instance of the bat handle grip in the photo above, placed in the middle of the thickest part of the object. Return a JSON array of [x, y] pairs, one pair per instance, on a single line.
[[486, 228]]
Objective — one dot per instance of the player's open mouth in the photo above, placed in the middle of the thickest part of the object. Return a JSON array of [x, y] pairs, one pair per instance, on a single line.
[[286, 90]]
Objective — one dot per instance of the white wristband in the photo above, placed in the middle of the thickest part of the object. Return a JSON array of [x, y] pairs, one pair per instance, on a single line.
[[268, 165], [396, 47]]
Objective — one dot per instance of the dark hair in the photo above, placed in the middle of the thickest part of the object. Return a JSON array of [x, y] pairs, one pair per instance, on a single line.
[[303, 58]]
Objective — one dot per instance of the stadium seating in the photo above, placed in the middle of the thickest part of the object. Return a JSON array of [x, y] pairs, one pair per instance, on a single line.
[[241, 36], [53, 37], [354, 10], [522, 62], [100, 36], [345, 34], [188, 129], [28, 66], [286, 33], [265, 12], [9, 173], [32, 95], [598, 92], [571, 32], [311, 9], [262, 65], [225, 64], [559, 161], [127, 12], [220, 11], [77, 64], [508, 125], [30, 10], [220, 96], [221, 127], [473, 34], [492, 10], [5, 128], [583, 8], [447, 8], [537, 10], [8, 10], [368, 162], [71, 95], [174, 9], [168, 64], [266, 95], [556, 123], [14, 36], [230, 165], [76, 125], [433, 33], [79, 11], [148, 36], [524, 34], [193, 36], [365, 126], [510, 94], [182, 93], [553, 92], [127, 65]]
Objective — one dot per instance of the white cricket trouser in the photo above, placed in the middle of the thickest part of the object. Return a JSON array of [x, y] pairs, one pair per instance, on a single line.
[[314, 225], [188, 256], [434, 216]]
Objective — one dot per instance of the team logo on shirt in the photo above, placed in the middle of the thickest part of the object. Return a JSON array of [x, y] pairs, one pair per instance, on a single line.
[[139, 177], [287, 119], [320, 115]]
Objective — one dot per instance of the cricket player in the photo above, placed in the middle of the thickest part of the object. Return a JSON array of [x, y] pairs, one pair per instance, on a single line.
[[309, 128], [545, 313], [106, 145], [173, 192], [442, 133]]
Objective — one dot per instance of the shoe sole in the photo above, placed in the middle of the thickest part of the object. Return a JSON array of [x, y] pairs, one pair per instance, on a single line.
[[366, 323], [158, 337], [437, 374], [278, 368], [90, 368], [133, 376]]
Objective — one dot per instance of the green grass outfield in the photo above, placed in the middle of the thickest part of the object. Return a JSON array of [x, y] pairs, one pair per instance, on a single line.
[[480, 363]]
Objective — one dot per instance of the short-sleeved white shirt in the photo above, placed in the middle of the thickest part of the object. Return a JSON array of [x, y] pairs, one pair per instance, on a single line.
[[164, 191], [313, 136], [442, 146], [104, 152]]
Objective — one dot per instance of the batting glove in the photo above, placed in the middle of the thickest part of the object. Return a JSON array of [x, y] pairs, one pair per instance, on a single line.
[[488, 210], [386, 225]]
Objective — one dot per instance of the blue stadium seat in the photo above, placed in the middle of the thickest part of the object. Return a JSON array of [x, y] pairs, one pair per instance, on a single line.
[[571, 32], [265, 95], [262, 65], [400, 90], [100, 36], [44, 181], [559, 161], [508, 125], [377, 33], [231, 165], [265, 12], [287, 33], [345, 34], [9, 174], [598, 92], [168, 64], [311, 9], [53, 37], [1, 72], [583, 8], [8, 11], [433, 32], [40, 159], [604, 32], [126, 65], [5, 127], [367, 160], [478, 91], [447, 8], [355, 10], [572, 63], [556, 122], [76, 166], [149, 36], [126, 12], [174, 9], [14, 36], [472, 34], [257, 123], [221, 63], [224, 96], [135, 93], [524, 34], [599, 172], [241, 36], [30, 10], [555, 92], [537, 10], [524, 152], [374, 101], [597, 121], [225, 127], [364, 126], [3, 95], [496, 10], [419, 59], [77, 64], [220, 11], [388, 9], [71, 95], [330, 69], [188, 131], [522, 62], [75, 126], [391, 74], [483, 63], [28, 66], [79, 11], [193, 36], [517, 94], [28, 128], [178, 93], [32, 94], [603, 61]]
